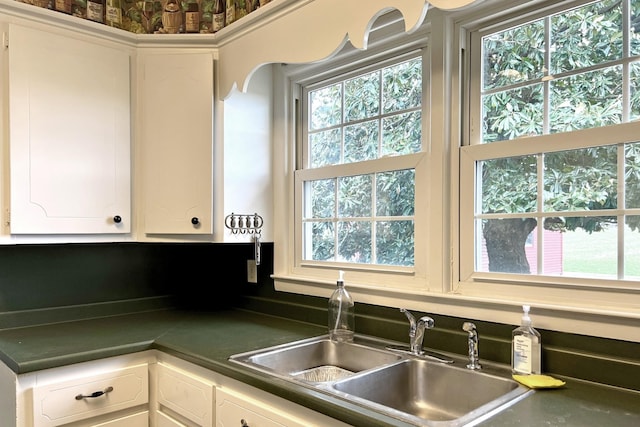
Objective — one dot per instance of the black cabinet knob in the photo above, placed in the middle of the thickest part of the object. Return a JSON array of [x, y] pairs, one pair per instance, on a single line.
[[117, 219], [195, 220]]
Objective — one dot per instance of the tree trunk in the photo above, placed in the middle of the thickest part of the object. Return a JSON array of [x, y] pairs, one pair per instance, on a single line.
[[505, 240]]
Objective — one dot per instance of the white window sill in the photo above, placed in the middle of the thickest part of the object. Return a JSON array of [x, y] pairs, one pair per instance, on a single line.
[[591, 320]]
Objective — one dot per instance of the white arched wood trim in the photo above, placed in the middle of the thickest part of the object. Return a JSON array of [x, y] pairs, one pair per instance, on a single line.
[[307, 31]]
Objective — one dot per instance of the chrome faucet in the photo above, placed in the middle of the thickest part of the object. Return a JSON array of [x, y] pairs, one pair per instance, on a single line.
[[474, 362], [416, 330]]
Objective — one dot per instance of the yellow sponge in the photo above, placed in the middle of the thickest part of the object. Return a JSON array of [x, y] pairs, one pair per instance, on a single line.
[[539, 381]]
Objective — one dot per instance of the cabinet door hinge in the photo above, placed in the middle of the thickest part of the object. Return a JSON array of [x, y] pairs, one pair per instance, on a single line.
[[7, 218], [5, 40]]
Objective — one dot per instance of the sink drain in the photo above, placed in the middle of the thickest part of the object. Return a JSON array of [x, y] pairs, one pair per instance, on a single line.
[[322, 374]]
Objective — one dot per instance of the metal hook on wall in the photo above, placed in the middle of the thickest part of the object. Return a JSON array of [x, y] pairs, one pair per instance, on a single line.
[[246, 224]]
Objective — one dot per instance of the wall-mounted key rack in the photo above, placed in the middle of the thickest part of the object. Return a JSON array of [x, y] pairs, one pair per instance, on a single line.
[[246, 224]]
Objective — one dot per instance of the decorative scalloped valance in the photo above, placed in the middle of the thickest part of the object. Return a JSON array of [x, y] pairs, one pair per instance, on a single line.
[[307, 31]]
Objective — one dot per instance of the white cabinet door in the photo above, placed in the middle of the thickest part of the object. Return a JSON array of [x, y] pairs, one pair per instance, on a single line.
[[176, 108], [185, 394], [69, 130]]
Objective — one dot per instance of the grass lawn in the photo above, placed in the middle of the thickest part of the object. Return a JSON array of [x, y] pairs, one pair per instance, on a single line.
[[596, 253]]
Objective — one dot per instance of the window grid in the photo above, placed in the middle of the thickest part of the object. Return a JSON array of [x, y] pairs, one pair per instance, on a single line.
[[627, 58], [343, 168], [576, 140]]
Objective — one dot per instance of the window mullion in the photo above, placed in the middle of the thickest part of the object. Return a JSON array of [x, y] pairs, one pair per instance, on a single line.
[[621, 206], [546, 81], [374, 217], [539, 209], [626, 67]]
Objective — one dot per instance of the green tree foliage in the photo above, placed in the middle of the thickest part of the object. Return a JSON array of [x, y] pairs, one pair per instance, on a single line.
[[363, 218], [514, 76]]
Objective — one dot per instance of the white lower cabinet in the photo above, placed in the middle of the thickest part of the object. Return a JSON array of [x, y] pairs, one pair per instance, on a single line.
[[63, 402], [147, 389], [235, 409], [183, 398], [188, 395], [164, 420], [140, 419], [240, 405], [112, 392]]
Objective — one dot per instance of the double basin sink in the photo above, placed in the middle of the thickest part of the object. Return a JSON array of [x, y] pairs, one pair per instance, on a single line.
[[418, 390]]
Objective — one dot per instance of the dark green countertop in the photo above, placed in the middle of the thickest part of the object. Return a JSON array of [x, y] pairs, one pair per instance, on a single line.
[[208, 339]]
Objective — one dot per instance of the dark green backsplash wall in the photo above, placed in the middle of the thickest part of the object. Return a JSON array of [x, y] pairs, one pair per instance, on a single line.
[[48, 277], [52, 283]]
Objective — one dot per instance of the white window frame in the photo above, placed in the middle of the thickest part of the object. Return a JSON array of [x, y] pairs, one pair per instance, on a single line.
[[297, 275], [607, 302], [414, 161], [447, 126], [381, 276]]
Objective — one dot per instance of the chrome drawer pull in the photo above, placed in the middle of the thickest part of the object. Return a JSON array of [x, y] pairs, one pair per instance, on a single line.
[[243, 423], [94, 394]]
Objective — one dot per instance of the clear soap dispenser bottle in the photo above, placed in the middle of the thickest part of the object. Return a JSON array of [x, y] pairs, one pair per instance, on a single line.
[[526, 351], [341, 313]]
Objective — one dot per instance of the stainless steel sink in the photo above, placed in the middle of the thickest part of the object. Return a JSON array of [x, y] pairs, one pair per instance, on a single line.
[[427, 392], [317, 360], [407, 387]]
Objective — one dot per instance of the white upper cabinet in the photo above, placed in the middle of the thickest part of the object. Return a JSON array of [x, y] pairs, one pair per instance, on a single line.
[[203, 150], [69, 134], [176, 129]]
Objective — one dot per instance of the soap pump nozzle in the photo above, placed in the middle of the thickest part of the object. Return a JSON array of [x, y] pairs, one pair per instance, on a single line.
[[340, 278], [526, 320]]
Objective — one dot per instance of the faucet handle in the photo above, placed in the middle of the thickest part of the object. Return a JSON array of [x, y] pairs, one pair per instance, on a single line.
[[412, 320], [469, 327], [408, 314]]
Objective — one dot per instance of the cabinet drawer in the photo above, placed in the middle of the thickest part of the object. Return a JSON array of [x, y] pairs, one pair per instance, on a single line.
[[66, 401], [140, 419], [186, 394], [163, 420], [233, 410]]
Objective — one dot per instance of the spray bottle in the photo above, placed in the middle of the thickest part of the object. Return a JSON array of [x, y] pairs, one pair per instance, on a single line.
[[341, 313]]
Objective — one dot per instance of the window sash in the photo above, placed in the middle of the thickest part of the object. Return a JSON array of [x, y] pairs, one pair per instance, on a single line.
[[474, 151], [469, 200], [543, 13], [415, 161], [360, 69]]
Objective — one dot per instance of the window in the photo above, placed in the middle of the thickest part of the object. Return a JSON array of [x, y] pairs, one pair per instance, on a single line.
[[556, 152], [358, 197], [362, 173], [526, 184]]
